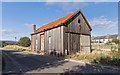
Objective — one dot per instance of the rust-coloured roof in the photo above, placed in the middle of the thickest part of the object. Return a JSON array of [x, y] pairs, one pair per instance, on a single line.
[[60, 21], [56, 22]]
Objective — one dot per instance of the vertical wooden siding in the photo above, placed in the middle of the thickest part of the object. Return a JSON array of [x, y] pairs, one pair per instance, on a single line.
[[72, 34], [32, 42], [41, 44], [37, 42], [56, 39]]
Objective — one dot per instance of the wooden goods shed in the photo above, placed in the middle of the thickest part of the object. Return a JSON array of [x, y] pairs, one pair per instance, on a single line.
[[66, 35]]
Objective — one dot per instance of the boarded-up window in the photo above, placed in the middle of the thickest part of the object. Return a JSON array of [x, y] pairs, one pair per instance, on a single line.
[[85, 42]]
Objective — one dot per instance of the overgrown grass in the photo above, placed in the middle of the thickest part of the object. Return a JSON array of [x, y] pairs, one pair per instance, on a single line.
[[112, 59], [16, 47], [100, 57], [108, 47]]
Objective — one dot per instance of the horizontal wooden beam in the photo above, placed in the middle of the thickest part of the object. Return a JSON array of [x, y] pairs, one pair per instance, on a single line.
[[78, 33]]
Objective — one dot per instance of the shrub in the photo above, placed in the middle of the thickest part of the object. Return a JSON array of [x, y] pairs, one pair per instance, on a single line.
[[116, 41], [118, 49], [113, 48], [3, 44], [96, 60], [108, 60], [116, 55], [23, 49], [116, 62]]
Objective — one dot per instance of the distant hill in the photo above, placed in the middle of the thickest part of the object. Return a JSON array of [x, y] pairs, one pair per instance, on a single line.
[[9, 42], [106, 37]]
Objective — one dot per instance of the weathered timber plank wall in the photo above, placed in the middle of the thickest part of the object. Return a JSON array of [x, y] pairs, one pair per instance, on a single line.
[[54, 40], [72, 34], [85, 43], [32, 42]]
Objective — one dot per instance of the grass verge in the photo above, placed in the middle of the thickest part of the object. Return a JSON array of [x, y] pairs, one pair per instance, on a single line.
[[100, 57], [16, 47]]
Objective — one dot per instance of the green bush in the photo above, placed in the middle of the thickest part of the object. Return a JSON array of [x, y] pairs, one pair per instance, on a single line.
[[24, 41], [116, 55], [115, 61], [118, 49], [23, 49], [3, 44], [102, 59], [113, 48], [116, 41], [97, 60]]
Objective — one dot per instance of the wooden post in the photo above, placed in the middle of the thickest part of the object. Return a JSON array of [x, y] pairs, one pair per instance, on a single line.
[[68, 43], [79, 44], [90, 44]]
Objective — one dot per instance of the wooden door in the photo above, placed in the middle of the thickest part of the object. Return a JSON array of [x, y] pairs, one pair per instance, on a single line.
[[42, 41], [73, 43]]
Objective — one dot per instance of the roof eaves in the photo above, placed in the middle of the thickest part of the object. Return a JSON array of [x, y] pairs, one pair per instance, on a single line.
[[72, 16], [62, 24]]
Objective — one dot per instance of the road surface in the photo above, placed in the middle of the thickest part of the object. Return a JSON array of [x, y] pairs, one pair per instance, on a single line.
[[24, 62]]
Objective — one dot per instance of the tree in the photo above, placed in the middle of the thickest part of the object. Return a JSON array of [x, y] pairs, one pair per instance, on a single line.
[[24, 41], [116, 41], [3, 44]]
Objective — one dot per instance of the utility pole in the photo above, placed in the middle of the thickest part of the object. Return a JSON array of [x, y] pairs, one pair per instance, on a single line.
[[99, 44], [15, 41]]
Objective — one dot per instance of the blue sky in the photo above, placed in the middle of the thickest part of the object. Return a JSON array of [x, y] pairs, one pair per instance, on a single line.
[[60, 0], [17, 17]]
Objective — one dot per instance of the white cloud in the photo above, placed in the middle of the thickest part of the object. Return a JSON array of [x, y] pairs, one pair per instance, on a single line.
[[80, 0], [7, 31], [28, 25], [68, 6], [60, 0], [65, 1], [104, 22], [20, 1]]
